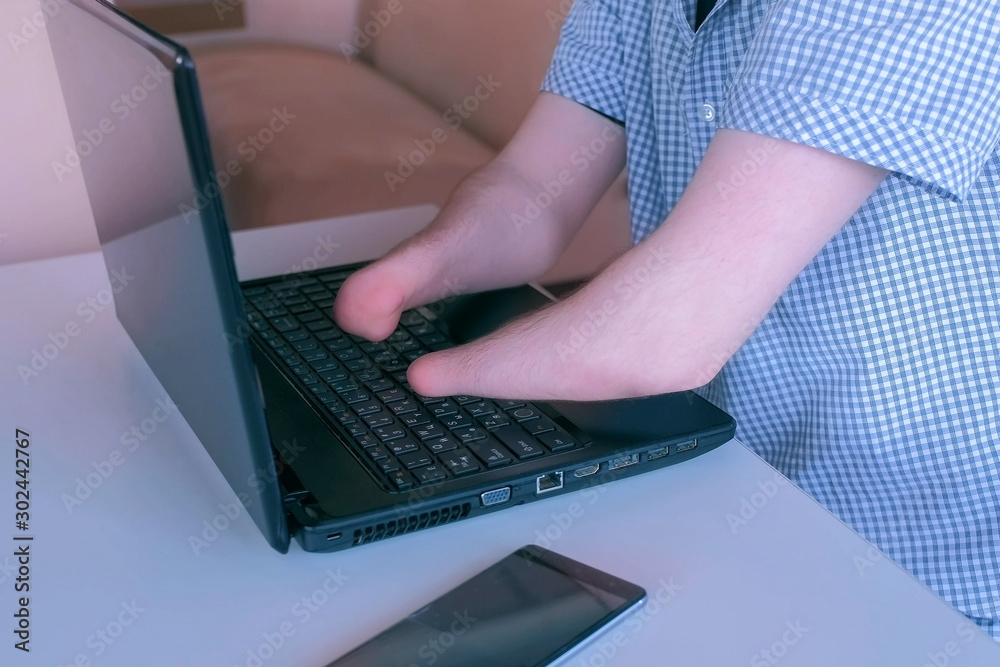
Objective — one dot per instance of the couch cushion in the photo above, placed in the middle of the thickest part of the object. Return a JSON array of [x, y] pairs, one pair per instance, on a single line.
[[441, 48], [342, 128]]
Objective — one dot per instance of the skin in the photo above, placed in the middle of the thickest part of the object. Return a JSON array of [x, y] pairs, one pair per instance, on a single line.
[[664, 317]]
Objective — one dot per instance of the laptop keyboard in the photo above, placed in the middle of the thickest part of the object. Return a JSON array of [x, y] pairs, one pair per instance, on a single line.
[[405, 439]]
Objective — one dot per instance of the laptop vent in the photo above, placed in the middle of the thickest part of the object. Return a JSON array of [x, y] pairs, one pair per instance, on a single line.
[[399, 526]]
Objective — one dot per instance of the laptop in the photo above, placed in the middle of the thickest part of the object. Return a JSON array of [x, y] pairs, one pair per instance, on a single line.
[[317, 431]]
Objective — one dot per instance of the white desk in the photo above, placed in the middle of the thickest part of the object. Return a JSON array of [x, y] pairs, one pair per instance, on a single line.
[[120, 562]]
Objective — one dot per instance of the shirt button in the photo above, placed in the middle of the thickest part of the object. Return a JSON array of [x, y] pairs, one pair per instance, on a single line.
[[707, 112]]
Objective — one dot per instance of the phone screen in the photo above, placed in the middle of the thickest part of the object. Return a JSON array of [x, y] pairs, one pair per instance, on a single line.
[[524, 611]]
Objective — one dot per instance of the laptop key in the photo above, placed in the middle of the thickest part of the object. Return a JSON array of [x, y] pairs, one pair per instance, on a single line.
[[525, 414], [403, 446], [356, 365], [429, 475], [377, 453], [415, 460], [315, 355], [367, 440], [318, 325], [496, 420], [465, 400], [443, 409], [387, 466], [467, 435], [480, 408], [540, 425], [509, 405], [402, 407], [390, 395], [284, 324], [415, 419], [367, 408], [295, 336], [559, 441], [439, 445], [378, 384], [517, 441], [329, 334], [492, 454], [456, 422], [400, 480], [333, 375], [355, 396], [429, 431], [379, 420], [387, 433], [460, 461]]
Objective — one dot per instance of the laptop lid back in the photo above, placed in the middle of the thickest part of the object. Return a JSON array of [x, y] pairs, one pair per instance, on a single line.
[[142, 146]]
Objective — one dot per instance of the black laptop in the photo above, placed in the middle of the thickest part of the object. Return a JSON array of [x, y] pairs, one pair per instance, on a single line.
[[317, 431]]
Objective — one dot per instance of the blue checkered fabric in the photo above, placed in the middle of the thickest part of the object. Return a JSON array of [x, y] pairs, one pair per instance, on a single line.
[[874, 383]]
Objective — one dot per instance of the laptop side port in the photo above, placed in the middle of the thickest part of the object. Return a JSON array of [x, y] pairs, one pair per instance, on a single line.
[[657, 453], [586, 471], [333, 536], [495, 497], [623, 462], [686, 446], [550, 482]]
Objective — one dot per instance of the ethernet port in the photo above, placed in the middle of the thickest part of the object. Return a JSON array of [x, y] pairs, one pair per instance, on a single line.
[[550, 482]]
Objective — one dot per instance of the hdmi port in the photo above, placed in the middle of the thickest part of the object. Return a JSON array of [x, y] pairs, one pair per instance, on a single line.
[[587, 470]]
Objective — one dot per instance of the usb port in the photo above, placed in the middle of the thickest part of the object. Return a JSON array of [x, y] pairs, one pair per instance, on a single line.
[[623, 461], [333, 536], [658, 453], [685, 446], [551, 482]]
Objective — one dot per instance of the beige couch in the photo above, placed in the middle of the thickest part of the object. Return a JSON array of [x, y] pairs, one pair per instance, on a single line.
[[402, 100]]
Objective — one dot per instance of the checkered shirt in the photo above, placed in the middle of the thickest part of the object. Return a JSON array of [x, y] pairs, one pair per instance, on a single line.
[[874, 382]]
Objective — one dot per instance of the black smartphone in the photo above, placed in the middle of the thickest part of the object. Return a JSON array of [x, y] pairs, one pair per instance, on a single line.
[[528, 610]]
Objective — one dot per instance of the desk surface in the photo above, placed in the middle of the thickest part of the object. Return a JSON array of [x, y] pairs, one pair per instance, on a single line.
[[142, 556]]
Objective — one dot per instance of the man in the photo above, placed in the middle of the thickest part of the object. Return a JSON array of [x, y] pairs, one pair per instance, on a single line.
[[814, 203]]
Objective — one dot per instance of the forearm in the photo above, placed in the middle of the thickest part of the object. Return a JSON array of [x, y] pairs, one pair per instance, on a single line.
[[504, 225], [668, 314]]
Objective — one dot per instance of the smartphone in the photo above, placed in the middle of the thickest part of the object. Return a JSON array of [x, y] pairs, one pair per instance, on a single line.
[[528, 610]]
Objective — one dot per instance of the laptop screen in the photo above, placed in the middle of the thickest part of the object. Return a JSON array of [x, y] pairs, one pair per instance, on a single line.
[[140, 143]]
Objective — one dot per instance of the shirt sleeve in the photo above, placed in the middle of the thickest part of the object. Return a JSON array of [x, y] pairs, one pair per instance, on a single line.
[[587, 65], [912, 87]]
